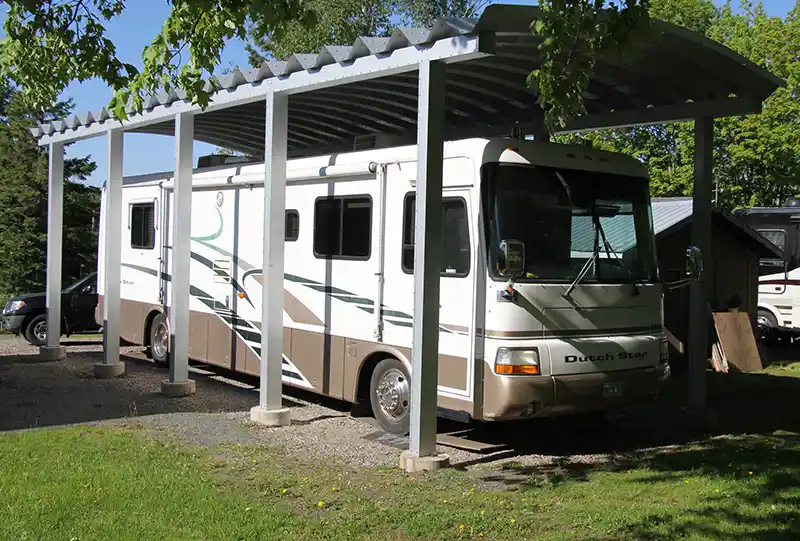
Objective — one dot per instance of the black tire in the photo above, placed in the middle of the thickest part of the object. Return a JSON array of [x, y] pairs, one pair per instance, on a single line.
[[158, 351], [390, 382], [767, 327], [33, 330]]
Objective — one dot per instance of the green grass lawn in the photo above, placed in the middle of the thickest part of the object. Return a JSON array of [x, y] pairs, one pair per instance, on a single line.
[[80, 484]]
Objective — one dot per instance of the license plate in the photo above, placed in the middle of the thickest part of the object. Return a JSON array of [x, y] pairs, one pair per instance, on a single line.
[[611, 390]]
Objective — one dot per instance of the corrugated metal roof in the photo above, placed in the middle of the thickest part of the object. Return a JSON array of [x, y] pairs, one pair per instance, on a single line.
[[678, 73], [670, 211]]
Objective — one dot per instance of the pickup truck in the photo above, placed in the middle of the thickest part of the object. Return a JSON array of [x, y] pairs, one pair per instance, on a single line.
[[26, 314]]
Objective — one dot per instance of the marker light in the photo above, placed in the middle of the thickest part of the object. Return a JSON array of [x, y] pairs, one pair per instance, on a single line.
[[517, 362]]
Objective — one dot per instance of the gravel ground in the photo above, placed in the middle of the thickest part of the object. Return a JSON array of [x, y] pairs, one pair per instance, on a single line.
[[34, 394]]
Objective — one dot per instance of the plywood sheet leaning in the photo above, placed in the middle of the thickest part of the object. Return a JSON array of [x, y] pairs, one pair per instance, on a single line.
[[737, 341]]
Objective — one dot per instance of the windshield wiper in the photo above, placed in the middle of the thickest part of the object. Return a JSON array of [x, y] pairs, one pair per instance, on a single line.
[[609, 249], [592, 260], [600, 232]]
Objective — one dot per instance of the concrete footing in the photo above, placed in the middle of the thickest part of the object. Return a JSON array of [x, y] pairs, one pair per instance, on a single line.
[[109, 370], [412, 463], [47, 353], [177, 389], [273, 417]]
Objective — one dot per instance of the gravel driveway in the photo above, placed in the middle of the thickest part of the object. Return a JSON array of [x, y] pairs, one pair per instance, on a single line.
[[34, 394]]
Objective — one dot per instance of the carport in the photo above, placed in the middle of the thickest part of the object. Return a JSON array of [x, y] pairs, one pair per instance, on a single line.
[[460, 78]]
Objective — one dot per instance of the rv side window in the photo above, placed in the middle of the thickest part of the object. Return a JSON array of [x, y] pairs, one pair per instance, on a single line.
[[143, 229], [292, 225], [455, 252], [343, 227]]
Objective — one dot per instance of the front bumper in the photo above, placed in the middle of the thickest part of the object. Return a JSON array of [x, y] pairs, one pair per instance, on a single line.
[[522, 397], [12, 323]]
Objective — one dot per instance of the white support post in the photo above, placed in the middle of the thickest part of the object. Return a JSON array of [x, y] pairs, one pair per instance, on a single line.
[[53, 351], [179, 383], [112, 238], [270, 410], [421, 454], [699, 316]]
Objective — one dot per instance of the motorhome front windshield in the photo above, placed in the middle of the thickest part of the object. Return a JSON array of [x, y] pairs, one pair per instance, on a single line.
[[572, 223]]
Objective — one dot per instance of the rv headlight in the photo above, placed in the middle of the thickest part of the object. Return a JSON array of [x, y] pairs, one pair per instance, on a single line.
[[664, 350], [517, 361]]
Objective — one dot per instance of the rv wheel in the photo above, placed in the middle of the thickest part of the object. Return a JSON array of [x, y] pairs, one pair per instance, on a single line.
[[390, 396], [767, 326], [159, 339]]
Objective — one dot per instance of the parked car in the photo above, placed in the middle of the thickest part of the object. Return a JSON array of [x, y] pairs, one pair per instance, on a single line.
[[26, 314]]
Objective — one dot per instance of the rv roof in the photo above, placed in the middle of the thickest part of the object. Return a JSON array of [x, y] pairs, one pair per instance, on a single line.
[[487, 150], [768, 210]]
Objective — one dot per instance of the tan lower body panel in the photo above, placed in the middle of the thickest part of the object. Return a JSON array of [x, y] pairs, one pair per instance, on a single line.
[[517, 397], [331, 364], [133, 315]]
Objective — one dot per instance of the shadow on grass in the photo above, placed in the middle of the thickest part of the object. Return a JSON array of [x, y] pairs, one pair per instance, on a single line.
[[754, 427], [761, 499]]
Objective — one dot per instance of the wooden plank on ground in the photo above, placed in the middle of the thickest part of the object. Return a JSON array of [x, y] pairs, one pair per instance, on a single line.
[[468, 444], [738, 342]]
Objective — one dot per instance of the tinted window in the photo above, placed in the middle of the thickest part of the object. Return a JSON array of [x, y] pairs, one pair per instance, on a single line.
[[292, 225], [342, 227], [569, 219], [775, 236], [773, 265], [455, 252], [143, 229]]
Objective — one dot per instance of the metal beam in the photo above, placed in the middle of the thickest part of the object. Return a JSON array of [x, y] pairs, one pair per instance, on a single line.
[[270, 410], [699, 313], [427, 266], [664, 114], [52, 350], [455, 49], [179, 383], [112, 259]]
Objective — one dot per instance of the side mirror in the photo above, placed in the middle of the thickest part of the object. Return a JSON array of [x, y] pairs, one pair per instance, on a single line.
[[512, 253], [694, 263]]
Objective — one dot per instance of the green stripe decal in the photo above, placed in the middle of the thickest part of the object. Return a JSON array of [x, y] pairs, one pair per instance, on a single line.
[[215, 234]]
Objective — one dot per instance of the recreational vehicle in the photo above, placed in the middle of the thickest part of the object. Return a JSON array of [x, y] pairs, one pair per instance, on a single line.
[[779, 279], [550, 299]]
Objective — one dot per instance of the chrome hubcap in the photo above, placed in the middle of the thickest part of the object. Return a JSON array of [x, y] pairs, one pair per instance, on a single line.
[[393, 394], [763, 324], [40, 331], [161, 341]]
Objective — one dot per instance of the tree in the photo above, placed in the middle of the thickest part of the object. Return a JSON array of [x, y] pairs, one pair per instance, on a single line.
[[340, 22], [23, 202], [50, 43], [425, 13], [337, 22], [755, 157]]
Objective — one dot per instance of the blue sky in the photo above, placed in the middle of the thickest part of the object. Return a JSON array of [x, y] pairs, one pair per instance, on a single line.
[[131, 33]]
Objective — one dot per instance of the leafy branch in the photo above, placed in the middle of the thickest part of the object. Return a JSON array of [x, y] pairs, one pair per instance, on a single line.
[[573, 35]]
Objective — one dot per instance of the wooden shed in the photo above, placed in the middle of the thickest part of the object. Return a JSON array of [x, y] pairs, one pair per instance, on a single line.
[[732, 265]]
